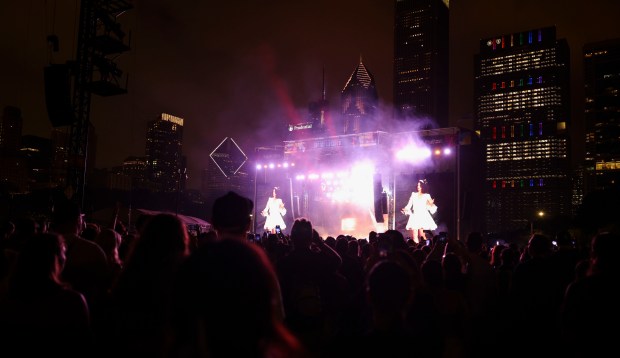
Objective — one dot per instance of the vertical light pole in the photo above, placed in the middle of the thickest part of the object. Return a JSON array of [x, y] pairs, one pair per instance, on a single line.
[[457, 157], [256, 168], [290, 183], [130, 202]]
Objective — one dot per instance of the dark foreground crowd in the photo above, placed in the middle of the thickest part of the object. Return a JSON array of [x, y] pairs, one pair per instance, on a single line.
[[77, 289]]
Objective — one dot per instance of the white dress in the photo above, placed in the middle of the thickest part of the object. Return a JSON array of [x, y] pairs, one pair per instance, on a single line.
[[419, 215], [274, 210]]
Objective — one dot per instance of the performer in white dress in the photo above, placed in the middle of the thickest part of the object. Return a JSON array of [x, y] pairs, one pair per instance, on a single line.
[[274, 210], [419, 208]]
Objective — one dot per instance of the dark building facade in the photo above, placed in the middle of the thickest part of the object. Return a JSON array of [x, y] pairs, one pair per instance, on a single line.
[[60, 154], [602, 114], [13, 167], [522, 115], [135, 167], [132, 174], [38, 154], [11, 125], [318, 112], [359, 102], [165, 162], [421, 29]]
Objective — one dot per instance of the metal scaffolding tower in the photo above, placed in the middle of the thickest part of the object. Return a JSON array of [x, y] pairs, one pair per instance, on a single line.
[[100, 39]]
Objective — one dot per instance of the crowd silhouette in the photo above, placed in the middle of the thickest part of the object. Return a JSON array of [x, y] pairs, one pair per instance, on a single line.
[[154, 290]]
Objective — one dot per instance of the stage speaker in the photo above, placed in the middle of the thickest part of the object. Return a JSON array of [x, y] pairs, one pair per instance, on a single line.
[[378, 198], [57, 80]]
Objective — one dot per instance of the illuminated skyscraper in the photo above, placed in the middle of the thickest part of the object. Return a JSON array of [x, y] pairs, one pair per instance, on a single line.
[[522, 113], [359, 102], [165, 162], [421, 60], [602, 114]]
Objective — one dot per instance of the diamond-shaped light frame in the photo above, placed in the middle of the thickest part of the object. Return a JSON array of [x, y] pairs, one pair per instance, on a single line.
[[228, 157]]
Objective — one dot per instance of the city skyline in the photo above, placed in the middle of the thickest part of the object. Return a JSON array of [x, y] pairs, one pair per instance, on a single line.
[[259, 79]]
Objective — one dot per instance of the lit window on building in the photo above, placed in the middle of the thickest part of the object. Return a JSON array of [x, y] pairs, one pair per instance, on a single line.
[[540, 128]]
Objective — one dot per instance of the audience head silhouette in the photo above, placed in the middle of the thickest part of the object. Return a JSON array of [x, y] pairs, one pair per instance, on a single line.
[[228, 292], [39, 264], [604, 252], [66, 217], [539, 246], [301, 233], [388, 287], [232, 213]]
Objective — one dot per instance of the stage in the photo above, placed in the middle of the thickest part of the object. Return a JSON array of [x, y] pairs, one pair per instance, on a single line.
[[355, 184]]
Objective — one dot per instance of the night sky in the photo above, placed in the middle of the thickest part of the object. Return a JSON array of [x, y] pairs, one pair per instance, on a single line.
[[245, 69]]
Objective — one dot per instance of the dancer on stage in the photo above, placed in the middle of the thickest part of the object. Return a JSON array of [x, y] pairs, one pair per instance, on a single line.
[[274, 210], [419, 208]]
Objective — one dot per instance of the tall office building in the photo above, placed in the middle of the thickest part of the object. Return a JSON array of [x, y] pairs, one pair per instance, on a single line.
[[165, 162], [522, 114], [319, 113], [602, 114], [421, 30], [359, 101]]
